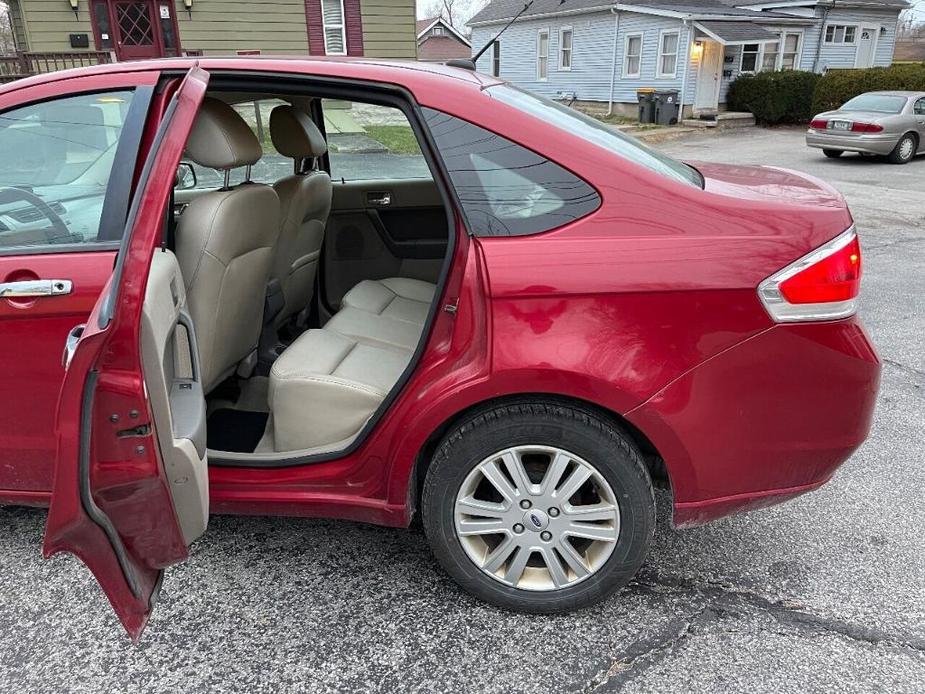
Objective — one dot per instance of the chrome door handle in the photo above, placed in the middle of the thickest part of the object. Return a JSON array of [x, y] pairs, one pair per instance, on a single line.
[[12, 290], [379, 199], [70, 344]]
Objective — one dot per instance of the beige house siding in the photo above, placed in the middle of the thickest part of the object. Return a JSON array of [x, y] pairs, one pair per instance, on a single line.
[[221, 27], [47, 24], [389, 28]]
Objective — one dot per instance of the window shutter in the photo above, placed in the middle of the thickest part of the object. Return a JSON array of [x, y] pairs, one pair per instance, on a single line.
[[330, 23]]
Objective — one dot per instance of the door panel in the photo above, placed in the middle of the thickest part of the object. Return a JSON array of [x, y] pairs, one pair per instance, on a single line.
[[130, 482], [32, 332], [61, 217], [171, 367], [380, 229]]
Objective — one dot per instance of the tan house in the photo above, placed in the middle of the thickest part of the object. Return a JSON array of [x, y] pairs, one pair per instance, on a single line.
[[135, 29]]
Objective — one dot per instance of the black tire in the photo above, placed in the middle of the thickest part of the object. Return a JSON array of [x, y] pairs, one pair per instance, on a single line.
[[897, 156], [833, 153], [601, 444]]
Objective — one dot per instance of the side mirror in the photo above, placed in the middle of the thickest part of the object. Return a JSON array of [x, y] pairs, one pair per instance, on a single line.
[[186, 177]]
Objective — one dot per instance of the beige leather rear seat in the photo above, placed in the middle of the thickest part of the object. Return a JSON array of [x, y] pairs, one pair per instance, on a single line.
[[328, 383]]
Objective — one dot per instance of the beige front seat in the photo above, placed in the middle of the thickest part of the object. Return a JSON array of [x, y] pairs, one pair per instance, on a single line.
[[225, 244], [305, 201]]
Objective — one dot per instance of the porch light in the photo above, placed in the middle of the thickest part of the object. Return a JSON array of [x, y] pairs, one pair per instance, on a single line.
[[74, 6], [188, 4], [697, 50]]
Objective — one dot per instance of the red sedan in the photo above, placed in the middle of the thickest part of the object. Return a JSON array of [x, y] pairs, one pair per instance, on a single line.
[[366, 290]]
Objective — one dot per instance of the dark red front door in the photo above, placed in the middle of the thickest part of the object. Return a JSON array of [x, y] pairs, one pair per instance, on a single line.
[[136, 30]]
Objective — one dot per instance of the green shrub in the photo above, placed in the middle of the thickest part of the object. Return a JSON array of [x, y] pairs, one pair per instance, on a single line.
[[774, 97], [837, 86]]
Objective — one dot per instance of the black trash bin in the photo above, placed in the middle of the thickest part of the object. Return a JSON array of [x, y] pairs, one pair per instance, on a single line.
[[646, 105], [666, 106]]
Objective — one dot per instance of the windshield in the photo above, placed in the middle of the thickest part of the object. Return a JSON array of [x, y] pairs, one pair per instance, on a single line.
[[879, 103], [592, 130]]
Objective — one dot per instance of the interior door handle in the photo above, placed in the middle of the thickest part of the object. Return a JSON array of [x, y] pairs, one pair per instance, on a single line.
[[70, 344], [379, 199], [12, 290]]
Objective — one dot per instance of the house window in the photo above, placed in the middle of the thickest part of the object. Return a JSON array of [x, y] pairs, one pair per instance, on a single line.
[[542, 54], [668, 54], [750, 52], [769, 56], [332, 18], [438, 31], [840, 34], [790, 58], [565, 48], [774, 55], [632, 55], [496, 58]]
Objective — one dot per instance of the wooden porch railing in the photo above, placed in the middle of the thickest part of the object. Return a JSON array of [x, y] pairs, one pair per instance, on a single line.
[[19, 65]]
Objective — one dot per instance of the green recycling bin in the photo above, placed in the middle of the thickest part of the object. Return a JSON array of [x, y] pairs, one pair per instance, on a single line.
[[667, 103], [646, 105]]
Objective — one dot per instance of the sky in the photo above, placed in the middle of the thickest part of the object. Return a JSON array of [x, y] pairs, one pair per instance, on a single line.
[[426, 8]]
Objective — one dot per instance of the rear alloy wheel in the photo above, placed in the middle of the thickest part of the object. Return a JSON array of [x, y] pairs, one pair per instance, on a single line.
[[833, 153], [904, 150], [538, 507]]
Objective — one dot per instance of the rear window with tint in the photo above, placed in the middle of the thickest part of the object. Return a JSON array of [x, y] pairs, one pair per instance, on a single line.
[[506, 189]]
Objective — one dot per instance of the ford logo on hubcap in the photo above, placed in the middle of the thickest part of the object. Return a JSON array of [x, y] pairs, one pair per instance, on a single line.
[[536, 520]]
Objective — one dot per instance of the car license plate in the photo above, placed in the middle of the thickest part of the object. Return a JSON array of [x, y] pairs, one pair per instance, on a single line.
[[840, 124]]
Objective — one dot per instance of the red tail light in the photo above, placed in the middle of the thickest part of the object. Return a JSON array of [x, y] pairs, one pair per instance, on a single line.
[[866, 128], [819, 123], [822, 285]]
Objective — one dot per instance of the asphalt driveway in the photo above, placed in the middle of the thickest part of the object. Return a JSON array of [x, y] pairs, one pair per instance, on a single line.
[[824, 594]]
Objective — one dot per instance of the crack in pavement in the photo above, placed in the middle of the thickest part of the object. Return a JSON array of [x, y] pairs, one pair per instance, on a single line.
[[890, 244], [644, 654], [903, 367], [716, 602]]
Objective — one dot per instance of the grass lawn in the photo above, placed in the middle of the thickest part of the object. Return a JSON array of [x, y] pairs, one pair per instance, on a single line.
[[399, 139]]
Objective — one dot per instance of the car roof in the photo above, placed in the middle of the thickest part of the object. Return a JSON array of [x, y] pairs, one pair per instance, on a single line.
[[401, 72]]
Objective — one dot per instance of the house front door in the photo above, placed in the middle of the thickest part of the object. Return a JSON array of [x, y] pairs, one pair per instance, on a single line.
[[867, 47], [136, 30], [708, 77]]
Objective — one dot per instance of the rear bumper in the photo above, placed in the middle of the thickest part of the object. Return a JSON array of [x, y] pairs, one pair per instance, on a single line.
[[877, 143], [763, 422]]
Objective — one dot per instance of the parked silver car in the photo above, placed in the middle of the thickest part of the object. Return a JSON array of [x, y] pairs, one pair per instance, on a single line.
[[885, 123]]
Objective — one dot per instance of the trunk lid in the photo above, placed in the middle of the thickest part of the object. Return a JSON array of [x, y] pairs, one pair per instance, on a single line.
[[768, 183]]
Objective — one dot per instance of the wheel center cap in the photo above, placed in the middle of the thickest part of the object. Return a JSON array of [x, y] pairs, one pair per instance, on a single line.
[[536, 520]]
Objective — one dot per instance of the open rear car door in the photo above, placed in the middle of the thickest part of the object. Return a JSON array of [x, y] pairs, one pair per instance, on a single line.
[[131, 482]]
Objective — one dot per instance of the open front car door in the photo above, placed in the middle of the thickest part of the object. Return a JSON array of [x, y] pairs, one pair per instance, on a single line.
[[131, 481]]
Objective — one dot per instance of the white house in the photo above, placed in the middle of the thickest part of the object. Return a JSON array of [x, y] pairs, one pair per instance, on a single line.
[[594, 51]]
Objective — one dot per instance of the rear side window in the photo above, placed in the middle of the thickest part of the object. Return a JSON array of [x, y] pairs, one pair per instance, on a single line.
[[369, 142], [57, 160], [506, 189]]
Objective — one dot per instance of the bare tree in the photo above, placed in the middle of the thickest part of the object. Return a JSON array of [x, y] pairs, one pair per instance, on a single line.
[[7, 44], [454, 12], [910, 26]]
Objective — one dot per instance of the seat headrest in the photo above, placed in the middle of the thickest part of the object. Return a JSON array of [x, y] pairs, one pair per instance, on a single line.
[[294, 134], [221, 139]]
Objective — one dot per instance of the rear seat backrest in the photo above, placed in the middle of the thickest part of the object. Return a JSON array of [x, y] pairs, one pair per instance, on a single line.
[[329, 382]]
